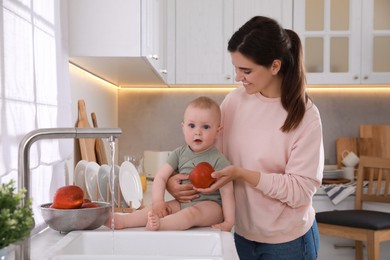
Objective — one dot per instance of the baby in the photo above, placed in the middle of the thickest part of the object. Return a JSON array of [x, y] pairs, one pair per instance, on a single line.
[[201, 126]]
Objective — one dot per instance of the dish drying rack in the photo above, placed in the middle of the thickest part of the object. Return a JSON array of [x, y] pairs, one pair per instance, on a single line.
[[119, 201]]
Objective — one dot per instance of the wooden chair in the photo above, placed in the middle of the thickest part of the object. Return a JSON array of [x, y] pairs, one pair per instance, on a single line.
[[359, 224]]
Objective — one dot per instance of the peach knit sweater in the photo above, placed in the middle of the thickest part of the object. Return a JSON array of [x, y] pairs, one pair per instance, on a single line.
[[279, 208]]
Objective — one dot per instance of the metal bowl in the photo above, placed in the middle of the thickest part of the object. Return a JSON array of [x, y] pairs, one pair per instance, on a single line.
[[66, 220]]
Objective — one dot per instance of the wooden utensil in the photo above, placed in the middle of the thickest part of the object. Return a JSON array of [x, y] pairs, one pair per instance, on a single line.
[[101, 156], [87, 145]]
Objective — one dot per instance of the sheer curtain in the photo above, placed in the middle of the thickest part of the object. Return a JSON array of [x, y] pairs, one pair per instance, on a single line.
[[34, 92]]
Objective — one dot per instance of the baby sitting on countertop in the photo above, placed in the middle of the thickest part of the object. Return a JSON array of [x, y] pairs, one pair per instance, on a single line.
[[201, 126]]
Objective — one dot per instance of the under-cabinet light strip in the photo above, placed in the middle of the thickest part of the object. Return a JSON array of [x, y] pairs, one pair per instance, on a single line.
[[224, 88], [92, 75]]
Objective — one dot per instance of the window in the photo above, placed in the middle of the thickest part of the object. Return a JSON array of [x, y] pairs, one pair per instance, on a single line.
[[34, 92]]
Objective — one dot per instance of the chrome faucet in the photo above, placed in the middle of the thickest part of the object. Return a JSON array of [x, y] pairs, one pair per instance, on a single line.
[[24, 160]]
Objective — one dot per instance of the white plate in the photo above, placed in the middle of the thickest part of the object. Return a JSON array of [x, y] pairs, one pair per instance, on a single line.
[[330, 167], [123, 203], [91, 172], [333, 174], [79, 176], [103, 177], [130, 184]]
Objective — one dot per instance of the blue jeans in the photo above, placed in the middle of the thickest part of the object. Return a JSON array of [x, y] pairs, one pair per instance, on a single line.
[[303, 248]]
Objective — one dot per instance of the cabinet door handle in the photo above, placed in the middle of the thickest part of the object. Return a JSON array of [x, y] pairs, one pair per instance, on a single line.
[[365, 77], [355, 77], [153, 56], [228, 77], [163, 71]]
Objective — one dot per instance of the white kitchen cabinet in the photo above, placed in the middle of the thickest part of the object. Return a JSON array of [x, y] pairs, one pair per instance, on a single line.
[[101, 28], [280, 10], [117, 40], [202, 30], [153, 41], [345, 42]]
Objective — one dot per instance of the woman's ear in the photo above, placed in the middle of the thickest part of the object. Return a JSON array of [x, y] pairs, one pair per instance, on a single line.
[[275, 67]]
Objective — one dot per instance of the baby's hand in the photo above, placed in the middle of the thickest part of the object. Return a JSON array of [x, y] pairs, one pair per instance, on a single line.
[[224, 226], [161, 209]]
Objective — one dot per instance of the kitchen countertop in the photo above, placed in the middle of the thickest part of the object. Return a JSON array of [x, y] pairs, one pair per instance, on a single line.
[[46, 239], [49, 237]]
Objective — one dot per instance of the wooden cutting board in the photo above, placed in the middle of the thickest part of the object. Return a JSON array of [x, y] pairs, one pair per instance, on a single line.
[[380, 135], [345, 144], [101, 157], [360, 146], [87, 145]]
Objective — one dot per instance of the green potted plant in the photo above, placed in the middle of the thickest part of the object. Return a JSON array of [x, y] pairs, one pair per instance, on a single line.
[[16, 221]]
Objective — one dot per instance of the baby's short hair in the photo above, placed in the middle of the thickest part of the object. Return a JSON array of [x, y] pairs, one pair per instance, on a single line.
[[206, 103]]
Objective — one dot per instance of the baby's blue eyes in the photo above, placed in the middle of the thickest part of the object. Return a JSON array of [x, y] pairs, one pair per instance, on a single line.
[[191, 125]]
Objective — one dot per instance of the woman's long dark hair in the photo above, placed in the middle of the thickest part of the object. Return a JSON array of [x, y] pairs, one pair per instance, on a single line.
[[263, 40]]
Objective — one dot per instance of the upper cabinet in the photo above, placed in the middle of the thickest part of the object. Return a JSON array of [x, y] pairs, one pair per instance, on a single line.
[[153, 24], [201, 31], [344, 41], [202, 28], [160, 42], [280, 10], [118, 40], [97, 28]]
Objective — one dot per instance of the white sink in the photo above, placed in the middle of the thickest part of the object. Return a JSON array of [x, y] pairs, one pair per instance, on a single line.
[[140, 244]]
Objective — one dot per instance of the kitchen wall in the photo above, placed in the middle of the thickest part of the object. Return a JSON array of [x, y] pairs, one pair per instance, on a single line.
[[100, 97], [150, 117]]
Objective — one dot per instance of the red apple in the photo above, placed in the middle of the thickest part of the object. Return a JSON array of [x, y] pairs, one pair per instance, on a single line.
[[68, 197], [200, 176]]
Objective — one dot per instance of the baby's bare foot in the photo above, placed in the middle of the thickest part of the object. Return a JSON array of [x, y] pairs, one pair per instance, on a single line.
[[153, 222]]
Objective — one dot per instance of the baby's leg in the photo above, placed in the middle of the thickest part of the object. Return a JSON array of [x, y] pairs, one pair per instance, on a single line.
[[202, 214], [138, 218]]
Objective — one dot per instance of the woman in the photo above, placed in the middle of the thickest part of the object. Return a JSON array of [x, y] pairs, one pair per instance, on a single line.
[[273, 137]]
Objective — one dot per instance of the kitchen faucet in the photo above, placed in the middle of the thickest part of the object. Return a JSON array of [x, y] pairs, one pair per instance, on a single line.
[[23, 250]]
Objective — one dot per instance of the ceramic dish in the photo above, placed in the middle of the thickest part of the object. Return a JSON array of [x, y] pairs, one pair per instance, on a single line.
[[333, 174], [130, 184], [330, 167], [123, 203], [79, 176], [103, 177], [91, 172]]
